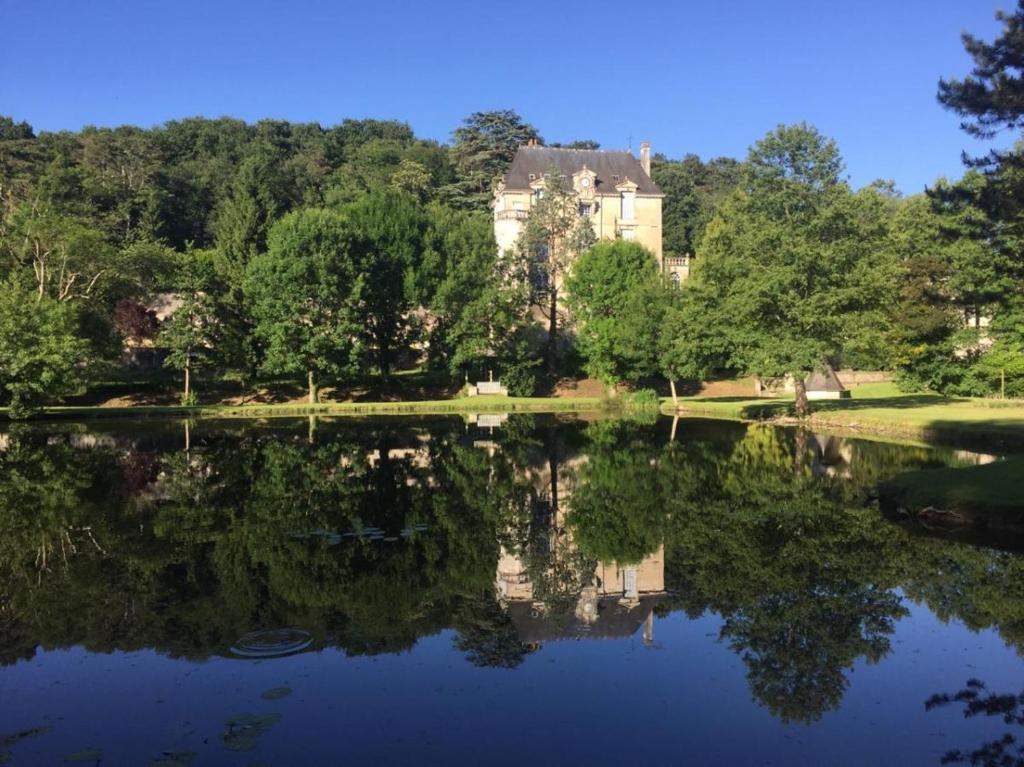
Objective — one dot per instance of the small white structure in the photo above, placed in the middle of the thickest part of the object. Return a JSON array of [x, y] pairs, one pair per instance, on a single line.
[[825, 385], [486, 387], [818, 385]]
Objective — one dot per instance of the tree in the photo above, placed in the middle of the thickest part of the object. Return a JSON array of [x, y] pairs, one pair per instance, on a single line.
[[482, 149], [690, 345], [924, 318], [12, 131], [68, 260], [477, 298], [388, 226], [303, 294], [412, 178], [991, 98], [616, 294], [192, 333], [551, 238], [42, 357], [578, 144], [777, 260], [694, 190]]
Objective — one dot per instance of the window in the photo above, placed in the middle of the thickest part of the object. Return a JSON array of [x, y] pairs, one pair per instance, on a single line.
[[675, 280], [585, 209], [533, 176], [628, 206], [615, 178], [538, 194], [629, 234]]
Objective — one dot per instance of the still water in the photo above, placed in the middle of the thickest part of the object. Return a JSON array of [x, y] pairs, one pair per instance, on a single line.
[[521, 591]]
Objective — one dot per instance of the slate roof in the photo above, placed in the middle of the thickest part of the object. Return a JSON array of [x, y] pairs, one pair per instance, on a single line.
[[615, 620], [606, 164], [824, 381]]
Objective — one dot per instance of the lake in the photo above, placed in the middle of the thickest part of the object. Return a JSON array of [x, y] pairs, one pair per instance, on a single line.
[[520, 590]]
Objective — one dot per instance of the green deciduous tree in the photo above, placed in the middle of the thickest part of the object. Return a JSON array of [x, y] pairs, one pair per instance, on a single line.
[[694, 190], [194, 333], [388, 227], [42, 356], [476, 295], [784, 260], [303, 295], [551, 238], [617, 296]]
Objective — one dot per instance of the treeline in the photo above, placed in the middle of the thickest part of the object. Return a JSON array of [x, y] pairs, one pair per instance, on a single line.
[[291, 250], [295, 251]]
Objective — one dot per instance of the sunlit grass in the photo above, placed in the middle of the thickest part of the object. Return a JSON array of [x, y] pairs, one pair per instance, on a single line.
[[883, 408]]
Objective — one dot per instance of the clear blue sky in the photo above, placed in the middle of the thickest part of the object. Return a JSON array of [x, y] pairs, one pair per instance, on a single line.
[[702, 76]]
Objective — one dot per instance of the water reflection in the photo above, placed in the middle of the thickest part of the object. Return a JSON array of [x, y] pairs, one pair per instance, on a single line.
[[977, 700], [200, 541]]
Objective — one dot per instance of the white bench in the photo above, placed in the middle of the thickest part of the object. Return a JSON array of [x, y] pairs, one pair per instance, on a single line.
[[487, 387]]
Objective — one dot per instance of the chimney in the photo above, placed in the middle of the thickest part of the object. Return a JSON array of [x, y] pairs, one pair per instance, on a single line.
[[532, 142], [645, 156]]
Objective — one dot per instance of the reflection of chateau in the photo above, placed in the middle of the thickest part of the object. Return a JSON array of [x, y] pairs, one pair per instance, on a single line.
[[619, 600], [612, 601]]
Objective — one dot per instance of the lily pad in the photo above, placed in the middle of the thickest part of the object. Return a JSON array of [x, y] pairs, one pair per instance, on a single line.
[[174, 759], [241, 731], [276, 693], [14, 737]]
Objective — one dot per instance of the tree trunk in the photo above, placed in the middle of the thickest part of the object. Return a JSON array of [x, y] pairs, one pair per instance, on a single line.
[[800, 385], [672, 385], [552, 328], [312, 387], [800, 450], [188, 376]]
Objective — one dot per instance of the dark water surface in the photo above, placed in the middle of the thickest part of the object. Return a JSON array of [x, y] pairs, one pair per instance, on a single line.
[[526, 591]]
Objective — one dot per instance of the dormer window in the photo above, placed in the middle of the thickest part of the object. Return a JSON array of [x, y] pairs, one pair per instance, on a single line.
[[533, 177], [615, 178]]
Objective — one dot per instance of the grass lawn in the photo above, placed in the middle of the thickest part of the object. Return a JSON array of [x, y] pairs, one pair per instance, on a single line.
[[882, 408], [487, 404]]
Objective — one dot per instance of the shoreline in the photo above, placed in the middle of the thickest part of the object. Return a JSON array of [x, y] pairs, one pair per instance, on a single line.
[[882, 420], [467, 405], [1007, 435]]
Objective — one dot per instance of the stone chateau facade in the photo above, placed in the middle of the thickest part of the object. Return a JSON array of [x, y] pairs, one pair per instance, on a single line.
[[614, 190]]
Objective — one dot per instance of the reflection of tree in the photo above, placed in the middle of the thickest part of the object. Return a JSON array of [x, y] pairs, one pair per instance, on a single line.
[[254, 528], [802, 580], [487, 636], [618, 510], [1006, 751]]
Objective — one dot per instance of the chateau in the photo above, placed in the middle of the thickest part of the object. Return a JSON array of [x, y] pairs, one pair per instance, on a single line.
[[614, 190]]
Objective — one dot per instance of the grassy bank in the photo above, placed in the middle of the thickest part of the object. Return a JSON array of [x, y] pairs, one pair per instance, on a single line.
[[991, 488], [486, 404], [882, 409]]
